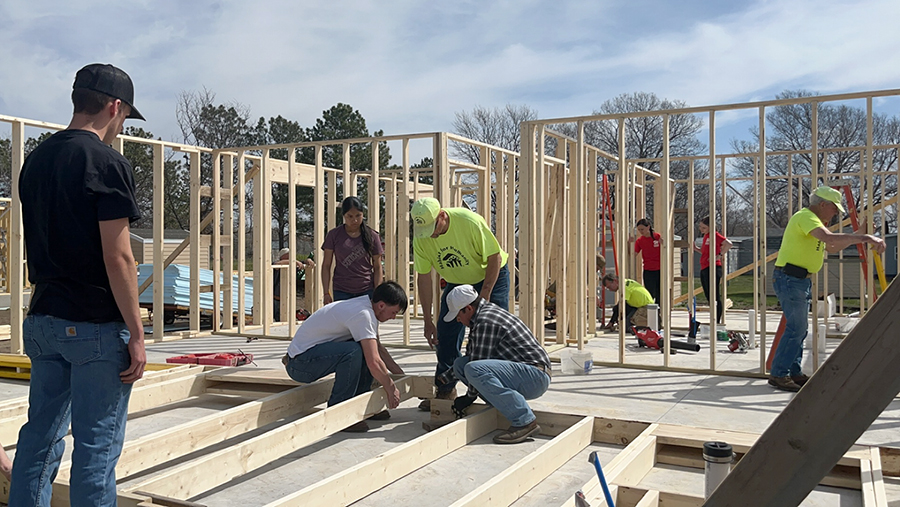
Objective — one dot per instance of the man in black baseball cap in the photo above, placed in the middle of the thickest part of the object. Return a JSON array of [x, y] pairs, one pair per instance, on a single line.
[[108, 80], [83, 331]]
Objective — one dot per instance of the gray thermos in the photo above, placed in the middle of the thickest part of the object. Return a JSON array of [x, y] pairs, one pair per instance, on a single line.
[[718, 457]]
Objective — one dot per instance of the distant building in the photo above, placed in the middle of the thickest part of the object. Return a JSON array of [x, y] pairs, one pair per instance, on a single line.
[[142, 246]]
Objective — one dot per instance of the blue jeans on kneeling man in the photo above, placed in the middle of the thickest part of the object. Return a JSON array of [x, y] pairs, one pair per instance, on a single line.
[[505, 385], [344, 359]]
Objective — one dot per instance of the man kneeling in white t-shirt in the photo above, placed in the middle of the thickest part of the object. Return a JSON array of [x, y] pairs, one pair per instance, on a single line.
[[342, 338]]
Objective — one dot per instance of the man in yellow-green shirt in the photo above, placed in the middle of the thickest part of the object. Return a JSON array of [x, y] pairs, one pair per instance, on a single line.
[[460, 246], [803, 246], [637, 297]]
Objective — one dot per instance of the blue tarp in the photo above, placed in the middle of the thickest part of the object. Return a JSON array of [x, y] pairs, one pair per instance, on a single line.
[[177, 283]]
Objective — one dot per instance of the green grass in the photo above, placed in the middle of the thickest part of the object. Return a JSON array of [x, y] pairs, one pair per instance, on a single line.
[[740, 292]]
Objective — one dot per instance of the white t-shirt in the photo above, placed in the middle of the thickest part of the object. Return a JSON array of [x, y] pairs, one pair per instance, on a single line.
[[340, 321]]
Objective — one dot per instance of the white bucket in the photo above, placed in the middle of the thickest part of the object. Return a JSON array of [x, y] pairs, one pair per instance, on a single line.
[[582, 362]]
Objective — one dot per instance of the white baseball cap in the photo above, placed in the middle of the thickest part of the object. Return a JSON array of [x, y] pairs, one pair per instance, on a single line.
[[458, 298]]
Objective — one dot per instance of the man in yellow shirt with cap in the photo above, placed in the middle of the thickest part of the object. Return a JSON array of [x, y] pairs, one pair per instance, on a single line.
[[803, 246], [637, 297], [460, 246]]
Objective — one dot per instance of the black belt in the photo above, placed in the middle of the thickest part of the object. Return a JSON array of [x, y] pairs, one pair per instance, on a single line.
[[545, 369], [285, 359], [794, 271]]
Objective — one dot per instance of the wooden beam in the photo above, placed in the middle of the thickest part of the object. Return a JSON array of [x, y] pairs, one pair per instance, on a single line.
[[515, 481], [175, 442], [825, 418], [364, 479], [217, 468], [142, 398], [304, 174], [872, 486]]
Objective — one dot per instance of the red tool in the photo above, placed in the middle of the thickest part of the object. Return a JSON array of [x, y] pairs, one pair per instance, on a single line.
[[652, 340], [214, 359]]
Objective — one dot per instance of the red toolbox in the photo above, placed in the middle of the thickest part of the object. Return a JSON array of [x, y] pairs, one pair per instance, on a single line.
[[213, 359]]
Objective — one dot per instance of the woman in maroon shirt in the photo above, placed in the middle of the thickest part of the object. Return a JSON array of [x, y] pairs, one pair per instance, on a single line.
[[722, 246], [356, 251], [649, 244]]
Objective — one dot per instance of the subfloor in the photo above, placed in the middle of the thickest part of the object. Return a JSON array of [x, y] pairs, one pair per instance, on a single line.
[[707, 401]]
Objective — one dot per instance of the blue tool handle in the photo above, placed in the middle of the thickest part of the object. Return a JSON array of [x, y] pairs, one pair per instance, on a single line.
[[596, 461]]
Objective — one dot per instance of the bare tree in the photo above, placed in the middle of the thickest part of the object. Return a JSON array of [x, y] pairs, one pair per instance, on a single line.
[[498, 127], [644, 142], [203, 123], [839, 126]]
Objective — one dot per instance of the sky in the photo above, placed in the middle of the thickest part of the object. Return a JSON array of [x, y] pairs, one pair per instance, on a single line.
[[408, 66]]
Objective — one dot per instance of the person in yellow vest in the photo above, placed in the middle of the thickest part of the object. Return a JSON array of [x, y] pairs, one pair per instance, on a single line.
[[460, 246], [637, 297], [803, 246]]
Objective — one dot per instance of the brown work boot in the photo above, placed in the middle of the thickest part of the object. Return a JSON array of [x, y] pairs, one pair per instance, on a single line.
[[360, 427], [784, 383], [517, 434], [384, 415], [425, 406], [800, 380]]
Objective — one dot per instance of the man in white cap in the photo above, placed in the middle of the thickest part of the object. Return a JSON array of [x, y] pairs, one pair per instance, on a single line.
[[504, 363], [458, 244], [803, 246]]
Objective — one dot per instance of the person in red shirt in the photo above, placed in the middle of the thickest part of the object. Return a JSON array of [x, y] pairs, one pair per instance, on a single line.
[[722, 246], [649, 244]]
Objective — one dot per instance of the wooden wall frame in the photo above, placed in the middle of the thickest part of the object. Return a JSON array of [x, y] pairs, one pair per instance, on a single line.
[[632, 178]]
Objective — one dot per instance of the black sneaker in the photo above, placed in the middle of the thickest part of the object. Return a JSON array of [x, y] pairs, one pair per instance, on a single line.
[[784, 383], [360, 427]]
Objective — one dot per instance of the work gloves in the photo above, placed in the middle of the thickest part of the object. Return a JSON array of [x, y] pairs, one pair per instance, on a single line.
[[461, 404]]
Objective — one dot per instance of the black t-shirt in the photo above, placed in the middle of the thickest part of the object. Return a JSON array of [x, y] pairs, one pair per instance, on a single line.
[[68, 184]]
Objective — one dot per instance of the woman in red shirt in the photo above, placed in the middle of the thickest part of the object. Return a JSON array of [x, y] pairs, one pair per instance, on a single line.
[[648, 245], [722, 246]]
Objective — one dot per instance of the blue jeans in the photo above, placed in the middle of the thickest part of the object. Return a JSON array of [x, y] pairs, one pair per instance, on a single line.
[[450, 334], [340, 295], [344, 359], [75, 370], [794, 295], [505, 385]]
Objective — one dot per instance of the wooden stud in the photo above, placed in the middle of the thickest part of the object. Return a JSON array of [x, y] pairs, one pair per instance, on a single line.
[[216, 265], [16, 242], [314, 299], [242, 242], [403, 240], [194, 160], [159, 236], [290, 274]]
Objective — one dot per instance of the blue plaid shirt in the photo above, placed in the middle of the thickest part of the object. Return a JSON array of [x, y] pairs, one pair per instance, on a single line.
[[495, 333]]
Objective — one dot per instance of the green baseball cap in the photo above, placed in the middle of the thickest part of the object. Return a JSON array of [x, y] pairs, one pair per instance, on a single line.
[[830, 195], [424, 213]]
